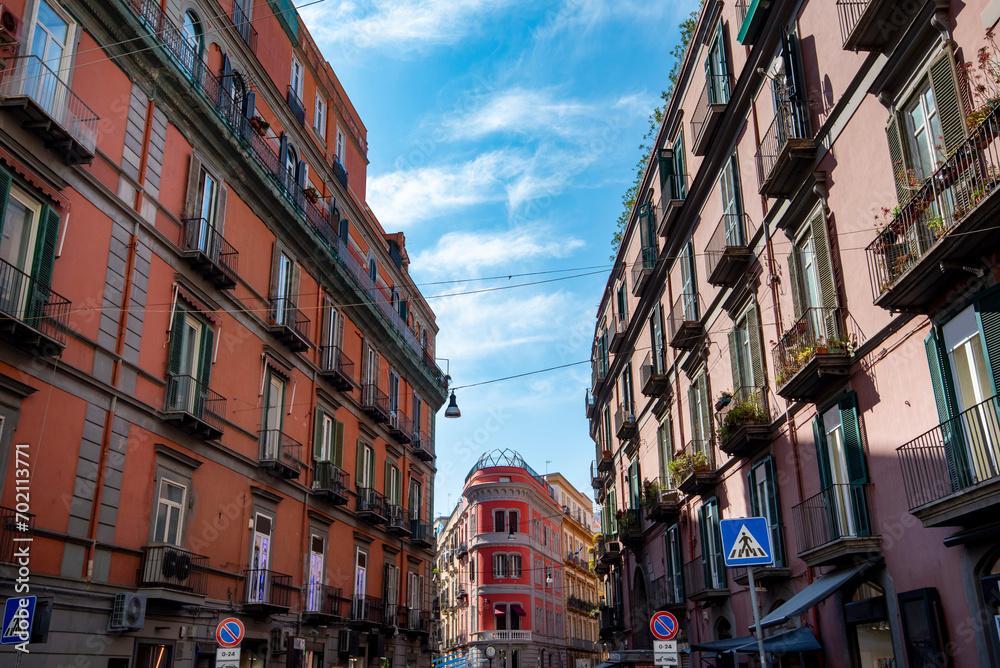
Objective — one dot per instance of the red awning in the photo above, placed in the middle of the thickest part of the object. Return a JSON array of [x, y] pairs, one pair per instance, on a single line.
[[518, 610], [500, 609]]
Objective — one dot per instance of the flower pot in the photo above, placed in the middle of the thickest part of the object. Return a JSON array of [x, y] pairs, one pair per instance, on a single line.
[[821, 350]]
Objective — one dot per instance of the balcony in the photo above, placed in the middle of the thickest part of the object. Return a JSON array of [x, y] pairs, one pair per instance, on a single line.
[[609, 551], [330, 483], [367, 611], [643, 268], [625, 424], [811, 356], [951, 473], [15, 528], [606, 463], [280, 454], [754, 13], [617, 330], [667, 593], [421, 534], [339, 172], [371, 506], [591, 404], [323, 605], [209, 253], [502, 636], [397, 522], [662, 503], [422, 447], [745, 423], [49, 108], [872, 25], [674, 188], [288, 324], [295, 104], [612, 619], [414, 621], [35, 317], [598, 374], [685, 325], [375, 403], [191, 406], [937, 237], [176, 574], [244, 27], [836, 525], [768, 574], [337, 368], [653, 378], [695, 468], [630, 528], [786, 150], [727, 255], [705, 579], [708, 111], [400, 427], [462, 551], [266, 592], [596, 478]]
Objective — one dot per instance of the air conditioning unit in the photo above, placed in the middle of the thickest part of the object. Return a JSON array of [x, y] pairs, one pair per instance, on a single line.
[[129, 612], [10, 27], [176, 565], [279, 642], [614, 546]]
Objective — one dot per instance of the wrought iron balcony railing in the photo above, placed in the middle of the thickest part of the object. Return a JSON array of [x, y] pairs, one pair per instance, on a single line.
[[791, 122], [839, 511], [244, 27], [171, 567], [26, 301], [727, 254], [209, 251], [324, 600], [705, 577], [264, 587], [15, 529], [295, 104], [336, 367], [331, 482], [685, 322], [957, 455], [189, 396], [709, 109], [371, 505], [375, 402], [816, 333], [51, 107], [368, 609], [643, 267], [280, 453]]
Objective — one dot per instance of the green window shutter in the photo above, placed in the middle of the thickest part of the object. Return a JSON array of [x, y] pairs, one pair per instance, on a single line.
[[755, 509], [337, 454], [944, 399], [176, 340], [706, 422], [359, 468], [702, 531], [987, 307], [371, 466], [795, 280], [692, 403], [756, 346], [822, 455], [734, 357], [318, 434], [824, 268], [777, 549], [44, 262], [207, 352], [949, 104], [387, 485], [857, 468], [679, 166], [898, 157], [666, 162], [5, 181]]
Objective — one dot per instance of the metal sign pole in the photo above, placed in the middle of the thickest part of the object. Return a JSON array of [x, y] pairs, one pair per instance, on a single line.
[[756, 618]]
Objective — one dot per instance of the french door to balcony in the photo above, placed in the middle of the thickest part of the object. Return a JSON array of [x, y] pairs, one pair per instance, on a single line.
[[190, 355], [260, 559], [17, 249], [977, 432], [315, 592], [838, 500], [49, 39]]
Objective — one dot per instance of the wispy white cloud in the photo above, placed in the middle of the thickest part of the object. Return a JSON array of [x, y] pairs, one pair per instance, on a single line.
[[581, 16], [399, 25], [467, 253]]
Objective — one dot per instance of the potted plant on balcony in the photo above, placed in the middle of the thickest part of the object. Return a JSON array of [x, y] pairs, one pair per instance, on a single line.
[[724, 398], [259, 125], [311, 193], [742, 412], [651, 494]]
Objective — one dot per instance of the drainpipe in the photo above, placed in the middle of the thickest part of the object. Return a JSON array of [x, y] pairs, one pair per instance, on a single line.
[[123, 314]]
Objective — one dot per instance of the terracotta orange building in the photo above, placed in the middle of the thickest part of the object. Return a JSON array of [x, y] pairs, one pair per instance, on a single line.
[[215, 370]]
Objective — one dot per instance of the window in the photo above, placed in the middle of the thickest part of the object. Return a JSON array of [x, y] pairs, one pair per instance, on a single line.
[[170, 513], [319, 115], [515, 566], [622, 304], [414, 499], [284, 286], [814, 291], [373, 270], [360, 574], [763, 486], [628, 396], [328, 439], [295, 80], [50, 37], [273, 414], [701, 420], [499, 518], [371, 366], [665, 448], [193, 33], [418, 415], [393, 396], [545, 535], [656, 341], [606, 421], [512, 524], [317, 573], [634, 486], [673, 181], [689, 286], [746, 355], [341, 145], [28, 243], [500, 565], [258, 581], [390, 585], [189, 365], [393, 485], [716, 69], [675, 564], [843, 471], [365, 467], [711, 545]]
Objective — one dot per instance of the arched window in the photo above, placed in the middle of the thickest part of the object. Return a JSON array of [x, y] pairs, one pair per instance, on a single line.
[[344, 229], [291, 160], [193, 32]]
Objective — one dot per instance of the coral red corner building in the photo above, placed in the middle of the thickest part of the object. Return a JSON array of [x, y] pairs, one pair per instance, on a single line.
[[214, 365]]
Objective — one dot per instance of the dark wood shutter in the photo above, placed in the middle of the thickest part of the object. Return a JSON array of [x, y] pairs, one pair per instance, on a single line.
[[857, 468], [5, 181], [44, 263], [899, 160], [795, 282], [176, 340], [987, 306], [359, 467], [207, 352], [822, 455], [734, 358], [191, 200], [948, 101], [337, 450], [666, 162], [824, 269], [755, 335], [318, 434], [679, 167], [774, 509], [220, 215]]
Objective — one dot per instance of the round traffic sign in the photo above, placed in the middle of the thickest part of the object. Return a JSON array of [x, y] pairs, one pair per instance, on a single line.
[[230, 632], [664, 626]]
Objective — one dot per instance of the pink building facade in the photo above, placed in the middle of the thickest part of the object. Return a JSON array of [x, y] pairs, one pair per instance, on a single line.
[[802, 324]]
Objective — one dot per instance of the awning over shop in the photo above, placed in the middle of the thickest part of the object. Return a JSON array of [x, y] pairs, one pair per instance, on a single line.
[[450, 661], [722, 646], [797, 640], [820, 589], [606, 664], [500, 609], [517, 609]]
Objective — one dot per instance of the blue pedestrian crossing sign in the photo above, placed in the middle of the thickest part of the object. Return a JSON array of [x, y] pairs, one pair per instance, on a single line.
[[746, 541], [18, 616]]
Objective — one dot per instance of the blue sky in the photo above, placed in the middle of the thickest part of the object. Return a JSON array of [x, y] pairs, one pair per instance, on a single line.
[[501, 136]]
